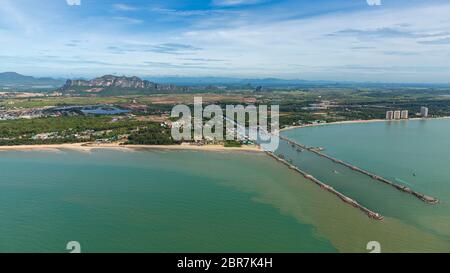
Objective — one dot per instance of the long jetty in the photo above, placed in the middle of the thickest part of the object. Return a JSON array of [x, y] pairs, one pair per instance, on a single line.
[[326, 187], [421, 196]]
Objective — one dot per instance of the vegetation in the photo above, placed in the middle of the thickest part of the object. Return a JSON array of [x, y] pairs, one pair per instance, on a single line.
[[232, 144], [74, 129], [59, 101], [297, 106], [152, 135]]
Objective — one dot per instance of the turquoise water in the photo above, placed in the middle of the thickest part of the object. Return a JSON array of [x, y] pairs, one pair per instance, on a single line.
[[395, 150], [413, 153], [113, 201]]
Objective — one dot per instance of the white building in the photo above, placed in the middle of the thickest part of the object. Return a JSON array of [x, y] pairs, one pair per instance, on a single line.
[[404, 114], [424, 112], [390, 115], [397, 115]]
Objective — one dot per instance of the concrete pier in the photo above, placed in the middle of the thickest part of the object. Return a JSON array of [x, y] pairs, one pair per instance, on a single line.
[[421, 196], [326, 187]]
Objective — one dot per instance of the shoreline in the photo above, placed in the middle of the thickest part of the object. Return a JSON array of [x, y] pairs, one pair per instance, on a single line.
[[88, 147], [358, 121]]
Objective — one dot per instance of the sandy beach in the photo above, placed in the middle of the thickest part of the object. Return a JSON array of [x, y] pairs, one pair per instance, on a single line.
[[88, 147]]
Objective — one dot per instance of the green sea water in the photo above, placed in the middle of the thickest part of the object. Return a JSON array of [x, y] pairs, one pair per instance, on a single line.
[[187, 201], [112, 201]]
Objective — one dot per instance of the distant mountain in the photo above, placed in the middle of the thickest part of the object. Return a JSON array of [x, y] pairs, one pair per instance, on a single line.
[[113, 81], [13, 77], [284, 83], [117, 85], [109, 85], [12, 81], [199, 81]]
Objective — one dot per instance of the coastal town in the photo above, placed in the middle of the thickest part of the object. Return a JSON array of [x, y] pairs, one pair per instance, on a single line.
[[404, 114], [297, 108], [241, 128], [67, 118]]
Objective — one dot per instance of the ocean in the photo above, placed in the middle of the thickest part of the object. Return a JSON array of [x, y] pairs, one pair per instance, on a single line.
[[413, 153], [192, 201]]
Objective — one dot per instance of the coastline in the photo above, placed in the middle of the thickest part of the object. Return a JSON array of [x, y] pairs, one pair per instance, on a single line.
[[88, 147], [358, 121]]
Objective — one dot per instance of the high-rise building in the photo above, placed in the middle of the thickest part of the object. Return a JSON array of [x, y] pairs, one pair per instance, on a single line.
[[390, 115], [404, 114], [397, 114], [424, 112]]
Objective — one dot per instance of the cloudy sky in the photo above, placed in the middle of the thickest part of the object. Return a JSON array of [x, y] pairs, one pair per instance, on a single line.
[[348, 40]]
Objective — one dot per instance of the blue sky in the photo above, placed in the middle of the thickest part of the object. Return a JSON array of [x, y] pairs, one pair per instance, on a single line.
[[342, 40]]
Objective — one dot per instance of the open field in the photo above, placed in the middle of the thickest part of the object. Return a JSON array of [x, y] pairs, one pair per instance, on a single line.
[[32, 120]]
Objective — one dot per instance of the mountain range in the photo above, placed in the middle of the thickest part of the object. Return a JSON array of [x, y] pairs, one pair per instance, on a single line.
[[118, 85], [17, 82], [113, 81]]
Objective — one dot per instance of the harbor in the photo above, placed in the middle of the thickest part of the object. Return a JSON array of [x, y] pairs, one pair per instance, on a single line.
[[425, 198], [328, 188]]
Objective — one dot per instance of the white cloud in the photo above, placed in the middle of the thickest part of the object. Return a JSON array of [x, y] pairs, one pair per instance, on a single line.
[[124, 7], [128, 20], [277, 47], [236, 2], [377, 44], [15, 18]]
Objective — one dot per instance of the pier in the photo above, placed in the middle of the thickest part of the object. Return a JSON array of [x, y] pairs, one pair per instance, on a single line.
[[328, 188], [421, 196]]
